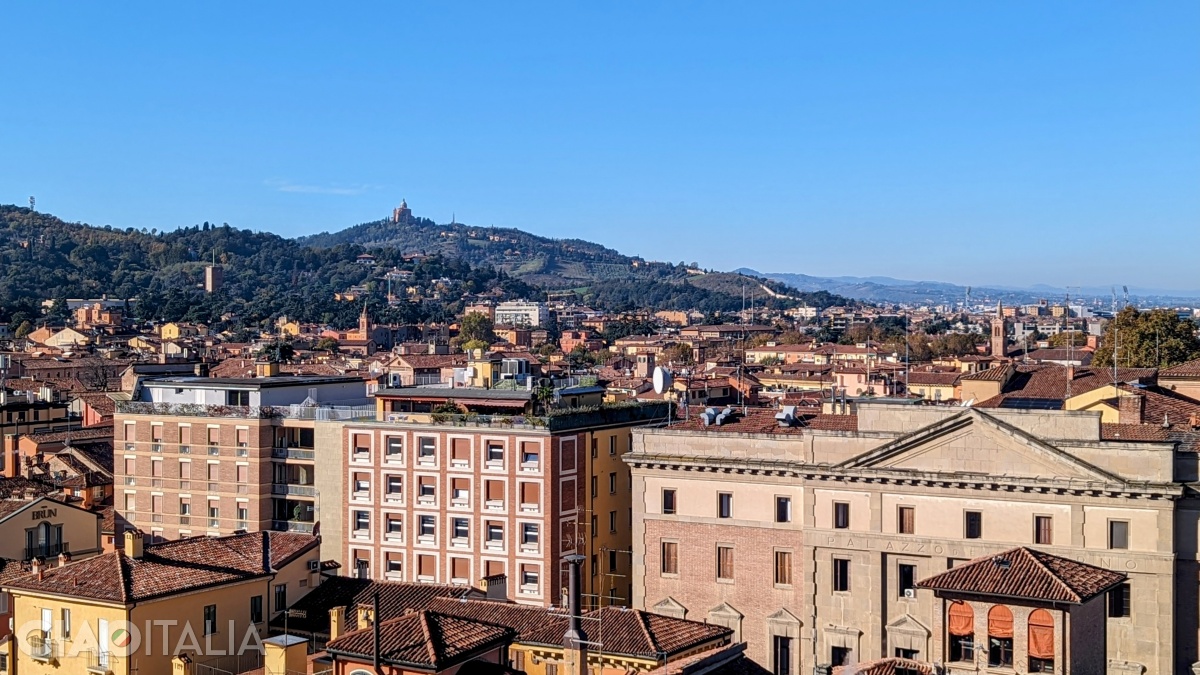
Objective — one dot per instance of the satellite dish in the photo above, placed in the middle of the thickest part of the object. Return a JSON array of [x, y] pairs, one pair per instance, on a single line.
[[662, 380]]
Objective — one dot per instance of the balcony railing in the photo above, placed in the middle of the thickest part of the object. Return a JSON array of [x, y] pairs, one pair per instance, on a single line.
[[297, 412], [47, 550], [42, 648], [293, 489], [293, 453], [98, 662], [292, 526]]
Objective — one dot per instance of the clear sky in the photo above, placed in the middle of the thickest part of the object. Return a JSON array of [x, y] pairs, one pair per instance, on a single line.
[[973, 142]]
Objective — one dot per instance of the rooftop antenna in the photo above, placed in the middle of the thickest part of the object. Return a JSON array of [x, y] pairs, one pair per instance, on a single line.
[[1114, 305], [967, 303], [32, 203], [1126, 289]]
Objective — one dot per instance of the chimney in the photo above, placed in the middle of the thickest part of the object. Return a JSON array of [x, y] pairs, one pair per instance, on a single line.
[[495, 587], [366, 616], [266, 369], [337, 622], [1071, 372], [36, 567], [134, 544], [200, 370], [575, 639], [285, 654], [1130, 408], [63, 559]]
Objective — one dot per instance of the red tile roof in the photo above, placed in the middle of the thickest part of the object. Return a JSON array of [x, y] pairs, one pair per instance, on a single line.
[[888, 666], [1188, 370], [172, 567], [396, 598], [424, 639], [1026, 574]]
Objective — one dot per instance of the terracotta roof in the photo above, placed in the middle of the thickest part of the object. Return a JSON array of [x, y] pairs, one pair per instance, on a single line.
[[996, 374], [101, 403], [423, 639], [172, 567], [533, 625], [889, 666], [427, 361], [395, 599], [1026, 574], [1188, 370], [933, 379], [100, 431]]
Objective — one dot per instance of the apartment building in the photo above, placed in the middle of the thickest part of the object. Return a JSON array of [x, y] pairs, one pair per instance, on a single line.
[[211, 456], [134, 610], [822, 539], [456, 499], [522, 313]]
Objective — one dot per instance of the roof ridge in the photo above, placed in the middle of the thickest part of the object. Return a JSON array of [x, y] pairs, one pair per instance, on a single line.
[[425, 617], [1037, 559], [644, 621], [125, 572]]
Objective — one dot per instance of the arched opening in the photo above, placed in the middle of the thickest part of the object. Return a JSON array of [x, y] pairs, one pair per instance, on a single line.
[[961, 626], [1041, 642], [1000, 636]]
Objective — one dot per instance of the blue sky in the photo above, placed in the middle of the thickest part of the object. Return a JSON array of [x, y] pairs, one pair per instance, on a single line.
[[974, 142]]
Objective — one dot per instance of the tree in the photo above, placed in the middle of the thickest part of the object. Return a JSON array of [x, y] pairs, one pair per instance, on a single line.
[[471, 345], [23, 330], [477, 327], [1157, 338], [678, 353], [277, 352], [327, 344], [1072, 337], [769, 361]]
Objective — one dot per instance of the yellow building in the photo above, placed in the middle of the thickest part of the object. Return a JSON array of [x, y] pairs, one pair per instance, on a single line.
[[133, 611]]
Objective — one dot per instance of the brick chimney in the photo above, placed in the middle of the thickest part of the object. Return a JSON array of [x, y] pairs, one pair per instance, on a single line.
[[36, 567], [1131, 407], [495, 587], [63, 559]]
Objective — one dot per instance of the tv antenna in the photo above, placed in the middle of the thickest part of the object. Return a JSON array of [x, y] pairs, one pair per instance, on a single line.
[[32, 203], [1126, 289]]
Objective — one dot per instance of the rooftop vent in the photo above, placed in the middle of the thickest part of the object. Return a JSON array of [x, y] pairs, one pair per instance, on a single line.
[[786, 417]]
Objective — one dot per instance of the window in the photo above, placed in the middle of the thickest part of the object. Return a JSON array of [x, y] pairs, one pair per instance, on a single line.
[[612, 521], [460, 451], [185, 506], [972, 524], [428, 528], [529, 576], [460, 490], [724, 505], [495, 532], [783, 509], [1118, 602], [1042, 530], [426, 487], [66, 622], [395, 486], [670, 557], [362, 521], [838, 656], [612, 560], [783, 568], [529, 454], [460, 568], [210, 619], [256, 610], [394, 449], [841, 515], [1041, 641], [1000, 637], [362, 482], [1118, 534], [280, 597], [495, 452], [595, 482], [395, 566], [529, 534], [668, 501], [841, 574], [907, 582], [902, 653], [612, 482], [395, 524], [426, 447], [781, 655], [724, 562], [961, 626], [460, 528], [906, 520]]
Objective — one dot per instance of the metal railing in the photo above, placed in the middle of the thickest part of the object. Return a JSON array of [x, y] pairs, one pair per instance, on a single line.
[[293, 489], [42, 648], [293, 453], [297, 412], [46, 550], [98, 661], [292, 526]]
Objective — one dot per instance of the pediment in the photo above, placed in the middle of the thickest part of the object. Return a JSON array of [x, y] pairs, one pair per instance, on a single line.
[[670, 606], [784, 616], [974, 442], [909, 626], [725, 610]]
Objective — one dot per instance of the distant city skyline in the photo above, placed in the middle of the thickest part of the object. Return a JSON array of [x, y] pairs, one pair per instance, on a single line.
[[1013, 145]]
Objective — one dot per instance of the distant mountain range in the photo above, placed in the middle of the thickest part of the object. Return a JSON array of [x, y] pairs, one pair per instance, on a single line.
[[888, 289]]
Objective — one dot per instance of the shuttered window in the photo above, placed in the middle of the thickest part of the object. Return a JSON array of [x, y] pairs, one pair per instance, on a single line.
[[724, 562], [907, 520], [426, 566], [670, 557], [783, 568], [1043, 530], [495, 490], [460, 449], [530, 493]]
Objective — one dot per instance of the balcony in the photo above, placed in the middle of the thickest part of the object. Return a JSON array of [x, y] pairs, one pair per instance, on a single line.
[[293, 453], [292, 526], [295, 412], [99, 663], [42, 649], [293, 489], [185, 449], [47, 550], [156, 446]]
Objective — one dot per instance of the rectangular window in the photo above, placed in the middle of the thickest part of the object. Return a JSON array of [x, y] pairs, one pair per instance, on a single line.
[[394, 564], [781, 656], [362, 521], [1000, 652], [214, 436], [460, 568], [426, 566], [612, 482], [395, 448], [972, 524], [530, 495], [280, 597], [1043, 530], [529, 534], [243, 438], [1118, 534], [495, 452], [839, 656], [362, 481], [724, 562], [962, 648], [460, 451], [461, 528], [783, 568], [841, 515], [612, 445], [66, 621], [902, 653], [906, 520], [612, 521], [841, 574], [495, 532], [529, 454], [426, 486], [907, 582], [395, 486], [210, 619], [670, 557], [783, 509], [495, 491], [256, 609], [668, 501], [595, 482], [428, 527], [426, 448], [1118, 601], [395, 524], [460, 489], [724, 505], [243, 473]]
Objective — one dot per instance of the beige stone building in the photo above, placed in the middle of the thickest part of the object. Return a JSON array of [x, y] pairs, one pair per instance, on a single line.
[[820, 539]]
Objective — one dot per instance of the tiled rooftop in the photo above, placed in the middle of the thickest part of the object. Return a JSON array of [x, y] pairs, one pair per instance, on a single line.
[[424, 639], [1027, 574]]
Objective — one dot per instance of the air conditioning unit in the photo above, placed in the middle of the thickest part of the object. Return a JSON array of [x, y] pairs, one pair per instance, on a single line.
[[314, 565], [910, 593]]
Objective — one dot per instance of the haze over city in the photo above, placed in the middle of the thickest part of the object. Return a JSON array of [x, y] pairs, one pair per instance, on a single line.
[[1005, 144]]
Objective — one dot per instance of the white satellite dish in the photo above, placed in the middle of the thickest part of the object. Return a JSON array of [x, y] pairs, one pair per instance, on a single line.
[[662, 380]]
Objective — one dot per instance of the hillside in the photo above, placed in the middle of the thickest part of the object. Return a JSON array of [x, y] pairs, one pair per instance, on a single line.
[[43, 257]]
